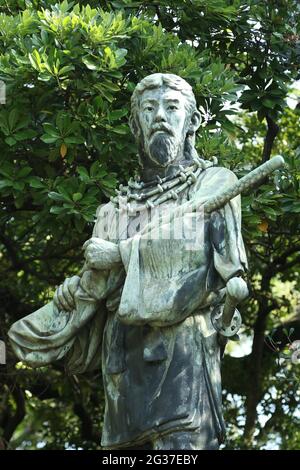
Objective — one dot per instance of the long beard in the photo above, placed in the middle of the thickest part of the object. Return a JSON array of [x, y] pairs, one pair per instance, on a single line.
[[163, 149]]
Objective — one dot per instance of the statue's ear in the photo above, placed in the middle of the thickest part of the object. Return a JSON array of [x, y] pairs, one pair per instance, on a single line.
[[195, 122]]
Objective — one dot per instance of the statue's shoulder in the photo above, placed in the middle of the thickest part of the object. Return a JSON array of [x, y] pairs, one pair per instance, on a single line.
[[217, 177], [220, 172], [213, 180], [104, 216], [104, 210]]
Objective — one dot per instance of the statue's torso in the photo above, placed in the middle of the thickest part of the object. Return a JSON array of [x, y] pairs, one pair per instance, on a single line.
[[159, 378]]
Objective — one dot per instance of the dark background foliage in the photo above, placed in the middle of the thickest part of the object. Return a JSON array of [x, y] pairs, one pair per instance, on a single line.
[[69, 71]]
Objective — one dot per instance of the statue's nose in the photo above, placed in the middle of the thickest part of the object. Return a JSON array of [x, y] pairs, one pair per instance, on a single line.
[[160, 115]]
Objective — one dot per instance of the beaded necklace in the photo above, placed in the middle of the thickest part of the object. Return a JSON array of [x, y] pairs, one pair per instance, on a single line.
[[161, 189]]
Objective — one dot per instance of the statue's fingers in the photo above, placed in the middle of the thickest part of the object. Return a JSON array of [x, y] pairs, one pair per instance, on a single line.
[[67, 294], [90, 254], [62, 299], [86, 244], [95, 240], [93, 247], [56, 301], [86, 253], [89, 260], [73, 284]]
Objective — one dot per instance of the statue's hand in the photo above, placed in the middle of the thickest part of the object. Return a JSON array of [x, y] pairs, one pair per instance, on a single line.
[[226, 319], [237, 289], [64, 295], [101, 254]]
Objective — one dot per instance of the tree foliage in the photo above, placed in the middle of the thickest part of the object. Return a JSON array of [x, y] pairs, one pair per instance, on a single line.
[[69, 70]]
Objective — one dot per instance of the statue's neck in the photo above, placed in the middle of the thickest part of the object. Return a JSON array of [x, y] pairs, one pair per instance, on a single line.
[[148, 174]]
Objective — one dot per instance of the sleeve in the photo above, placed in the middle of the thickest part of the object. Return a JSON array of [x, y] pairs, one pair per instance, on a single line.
[[106, 223], [48, 334], [229, 253]]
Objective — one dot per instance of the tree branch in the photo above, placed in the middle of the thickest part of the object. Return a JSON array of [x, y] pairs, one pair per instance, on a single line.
[[87, 429], [14, 420], [255, 365], [272, 132]]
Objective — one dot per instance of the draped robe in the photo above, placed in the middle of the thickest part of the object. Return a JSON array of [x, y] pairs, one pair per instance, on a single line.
[[147, 321]]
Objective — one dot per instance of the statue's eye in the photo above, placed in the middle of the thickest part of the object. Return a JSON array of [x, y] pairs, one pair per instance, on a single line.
[[172, 107], [149, 108]]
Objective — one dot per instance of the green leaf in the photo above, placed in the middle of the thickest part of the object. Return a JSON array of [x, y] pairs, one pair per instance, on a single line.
[[49, 139], [77, 197], [24, 172], [122, 129], [56, 196], [66, 69], [35, 182], [111, 86], [4, 123], [57, 210], [268, 103], [79, 223], [115, 74], [19, 185], [74, 140], [35, 60], [89, 63], [50, 129], [19, 200], [5, 184], [63, 123], [10, 141], [117, 114], [13, 118], [24, 135], [94, 170], [107, 95], [83, 173]]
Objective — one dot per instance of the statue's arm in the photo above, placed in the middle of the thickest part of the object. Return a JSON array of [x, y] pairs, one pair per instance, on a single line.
[[71, 326], [230, 261], [100, 255], [228, 248]]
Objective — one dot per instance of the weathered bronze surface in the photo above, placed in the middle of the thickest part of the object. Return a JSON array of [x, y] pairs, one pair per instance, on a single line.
[[166, 254]]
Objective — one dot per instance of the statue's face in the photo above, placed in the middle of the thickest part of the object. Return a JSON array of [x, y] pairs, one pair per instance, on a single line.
[[162, 118]]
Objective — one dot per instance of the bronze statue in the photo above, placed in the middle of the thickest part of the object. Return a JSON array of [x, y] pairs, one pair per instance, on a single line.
[[156, 299]]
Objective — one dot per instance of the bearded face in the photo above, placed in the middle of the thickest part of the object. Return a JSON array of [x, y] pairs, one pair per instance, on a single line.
[[162, 149], [162, 146], [163, 123]]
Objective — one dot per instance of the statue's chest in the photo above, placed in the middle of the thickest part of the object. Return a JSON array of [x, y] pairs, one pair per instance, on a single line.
[[173, 245]]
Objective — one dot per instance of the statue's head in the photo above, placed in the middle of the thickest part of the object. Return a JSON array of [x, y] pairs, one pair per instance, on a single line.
[[164, 119]]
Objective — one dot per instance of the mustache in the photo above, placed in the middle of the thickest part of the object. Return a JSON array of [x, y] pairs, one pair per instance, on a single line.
[[162, 127]]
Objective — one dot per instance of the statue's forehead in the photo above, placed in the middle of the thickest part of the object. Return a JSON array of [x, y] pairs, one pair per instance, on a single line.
[[161, 93]]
